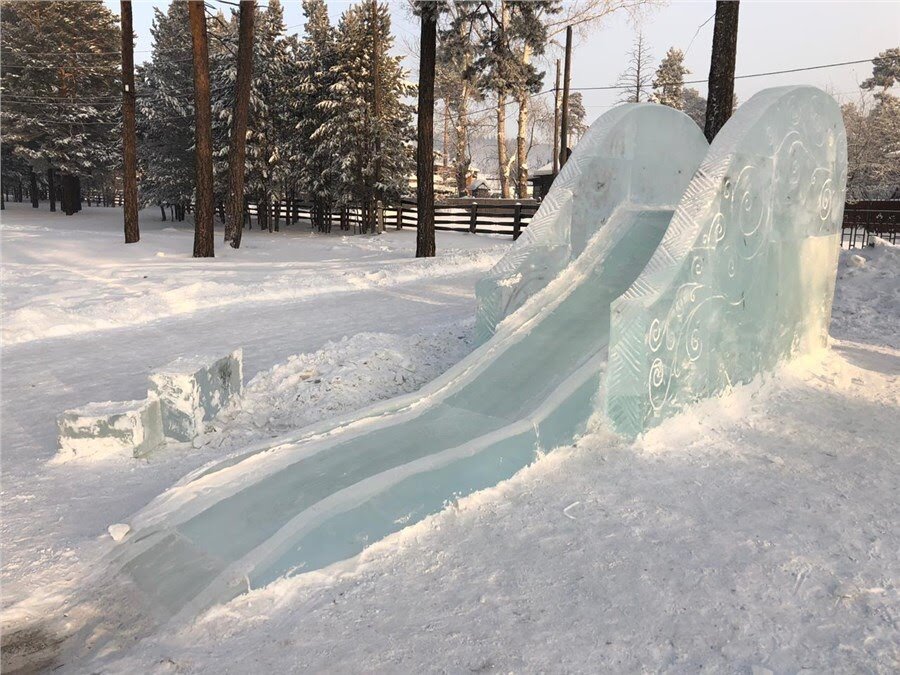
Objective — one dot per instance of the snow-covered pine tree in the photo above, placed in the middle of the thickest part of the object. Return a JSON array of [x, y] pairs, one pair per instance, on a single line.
[[267, 165], [166, 112], [668, 85], [873, 133], [351, 132], [694, 105], [60, 89], [316, 172]]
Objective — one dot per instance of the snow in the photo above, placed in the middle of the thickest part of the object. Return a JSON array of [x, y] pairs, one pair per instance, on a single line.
[[753, 533]]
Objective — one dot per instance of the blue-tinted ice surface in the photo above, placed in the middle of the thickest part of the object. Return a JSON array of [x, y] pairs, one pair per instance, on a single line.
[[744, 276], [532, 387], [739, 278]]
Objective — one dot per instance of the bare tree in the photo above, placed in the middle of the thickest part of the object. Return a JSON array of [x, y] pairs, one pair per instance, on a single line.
[[720, 97], [234, 224], [637, 77], [203, 201]]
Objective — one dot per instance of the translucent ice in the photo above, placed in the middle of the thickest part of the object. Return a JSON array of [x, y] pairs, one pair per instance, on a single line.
[[622, 160], [744, 276], [193, 391], [100, 430]]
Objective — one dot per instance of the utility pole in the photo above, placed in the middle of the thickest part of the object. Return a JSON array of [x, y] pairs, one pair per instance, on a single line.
[[425, 243], [556, 122], [720, 99], [203, 201], [376, 87], [234, 215], [129, 152], [564, 125]]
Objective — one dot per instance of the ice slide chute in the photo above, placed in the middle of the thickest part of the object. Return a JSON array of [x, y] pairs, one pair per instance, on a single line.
[[740, 277], [324, 495]]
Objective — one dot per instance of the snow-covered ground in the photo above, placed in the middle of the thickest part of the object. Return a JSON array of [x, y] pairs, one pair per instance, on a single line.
[[758, 531]]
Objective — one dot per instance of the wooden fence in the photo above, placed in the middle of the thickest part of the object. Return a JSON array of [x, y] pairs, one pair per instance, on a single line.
[[865, 219], [486, 216], [491, 216]]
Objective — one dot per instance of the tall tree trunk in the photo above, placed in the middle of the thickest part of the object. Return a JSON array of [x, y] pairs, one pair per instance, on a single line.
[[163, 210], [521, 134], [462, 143], [51, 188], [129, 152], [33, 190], [720, 100], [502, 153], [234, 219], [425, 243], [376, 115], [203, 208], [445, 144]]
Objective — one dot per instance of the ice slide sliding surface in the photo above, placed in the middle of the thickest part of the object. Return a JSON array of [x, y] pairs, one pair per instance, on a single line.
[[336, 487]]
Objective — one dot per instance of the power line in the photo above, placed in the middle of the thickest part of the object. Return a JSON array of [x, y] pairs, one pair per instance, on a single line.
[[616, 87]]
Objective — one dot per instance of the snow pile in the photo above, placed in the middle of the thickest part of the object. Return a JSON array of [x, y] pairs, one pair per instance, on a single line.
[[342, 376], [867, 296]]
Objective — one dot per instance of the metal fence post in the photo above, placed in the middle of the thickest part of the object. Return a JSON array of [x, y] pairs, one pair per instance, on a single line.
[[473, 218]]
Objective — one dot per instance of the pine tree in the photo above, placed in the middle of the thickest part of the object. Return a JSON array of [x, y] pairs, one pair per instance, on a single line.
[[237, 149], [61, 94], [668, 85], [166, 112], [316, 171], [694, 105], [721, 70], [350, 131]]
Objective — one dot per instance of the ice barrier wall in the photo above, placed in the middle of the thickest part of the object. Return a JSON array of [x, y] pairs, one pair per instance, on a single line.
[[744, 276], [685, 305], [324, 495]]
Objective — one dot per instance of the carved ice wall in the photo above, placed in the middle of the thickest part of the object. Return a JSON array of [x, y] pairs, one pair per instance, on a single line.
[[632, 156], [744, 276]]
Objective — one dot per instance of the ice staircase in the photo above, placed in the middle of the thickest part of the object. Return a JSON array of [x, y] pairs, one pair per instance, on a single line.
[[598, 273]]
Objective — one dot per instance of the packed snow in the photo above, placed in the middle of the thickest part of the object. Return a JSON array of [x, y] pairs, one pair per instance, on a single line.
[[754, 533]]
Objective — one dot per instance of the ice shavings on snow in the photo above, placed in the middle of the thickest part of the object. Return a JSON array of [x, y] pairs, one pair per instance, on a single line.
[[342, 376]]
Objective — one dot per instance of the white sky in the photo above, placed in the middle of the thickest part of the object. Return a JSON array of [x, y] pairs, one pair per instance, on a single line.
[[773, 35]]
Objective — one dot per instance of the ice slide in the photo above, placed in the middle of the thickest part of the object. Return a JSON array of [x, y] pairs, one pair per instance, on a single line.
[[338, 486], [684, 305]]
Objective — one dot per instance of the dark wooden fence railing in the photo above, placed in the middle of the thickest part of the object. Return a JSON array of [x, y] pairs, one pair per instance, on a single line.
[[485, 216], [488, 216], [865, 219]]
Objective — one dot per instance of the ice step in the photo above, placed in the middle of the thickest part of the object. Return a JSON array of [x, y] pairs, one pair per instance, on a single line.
[[102, 430], [193, 390]]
